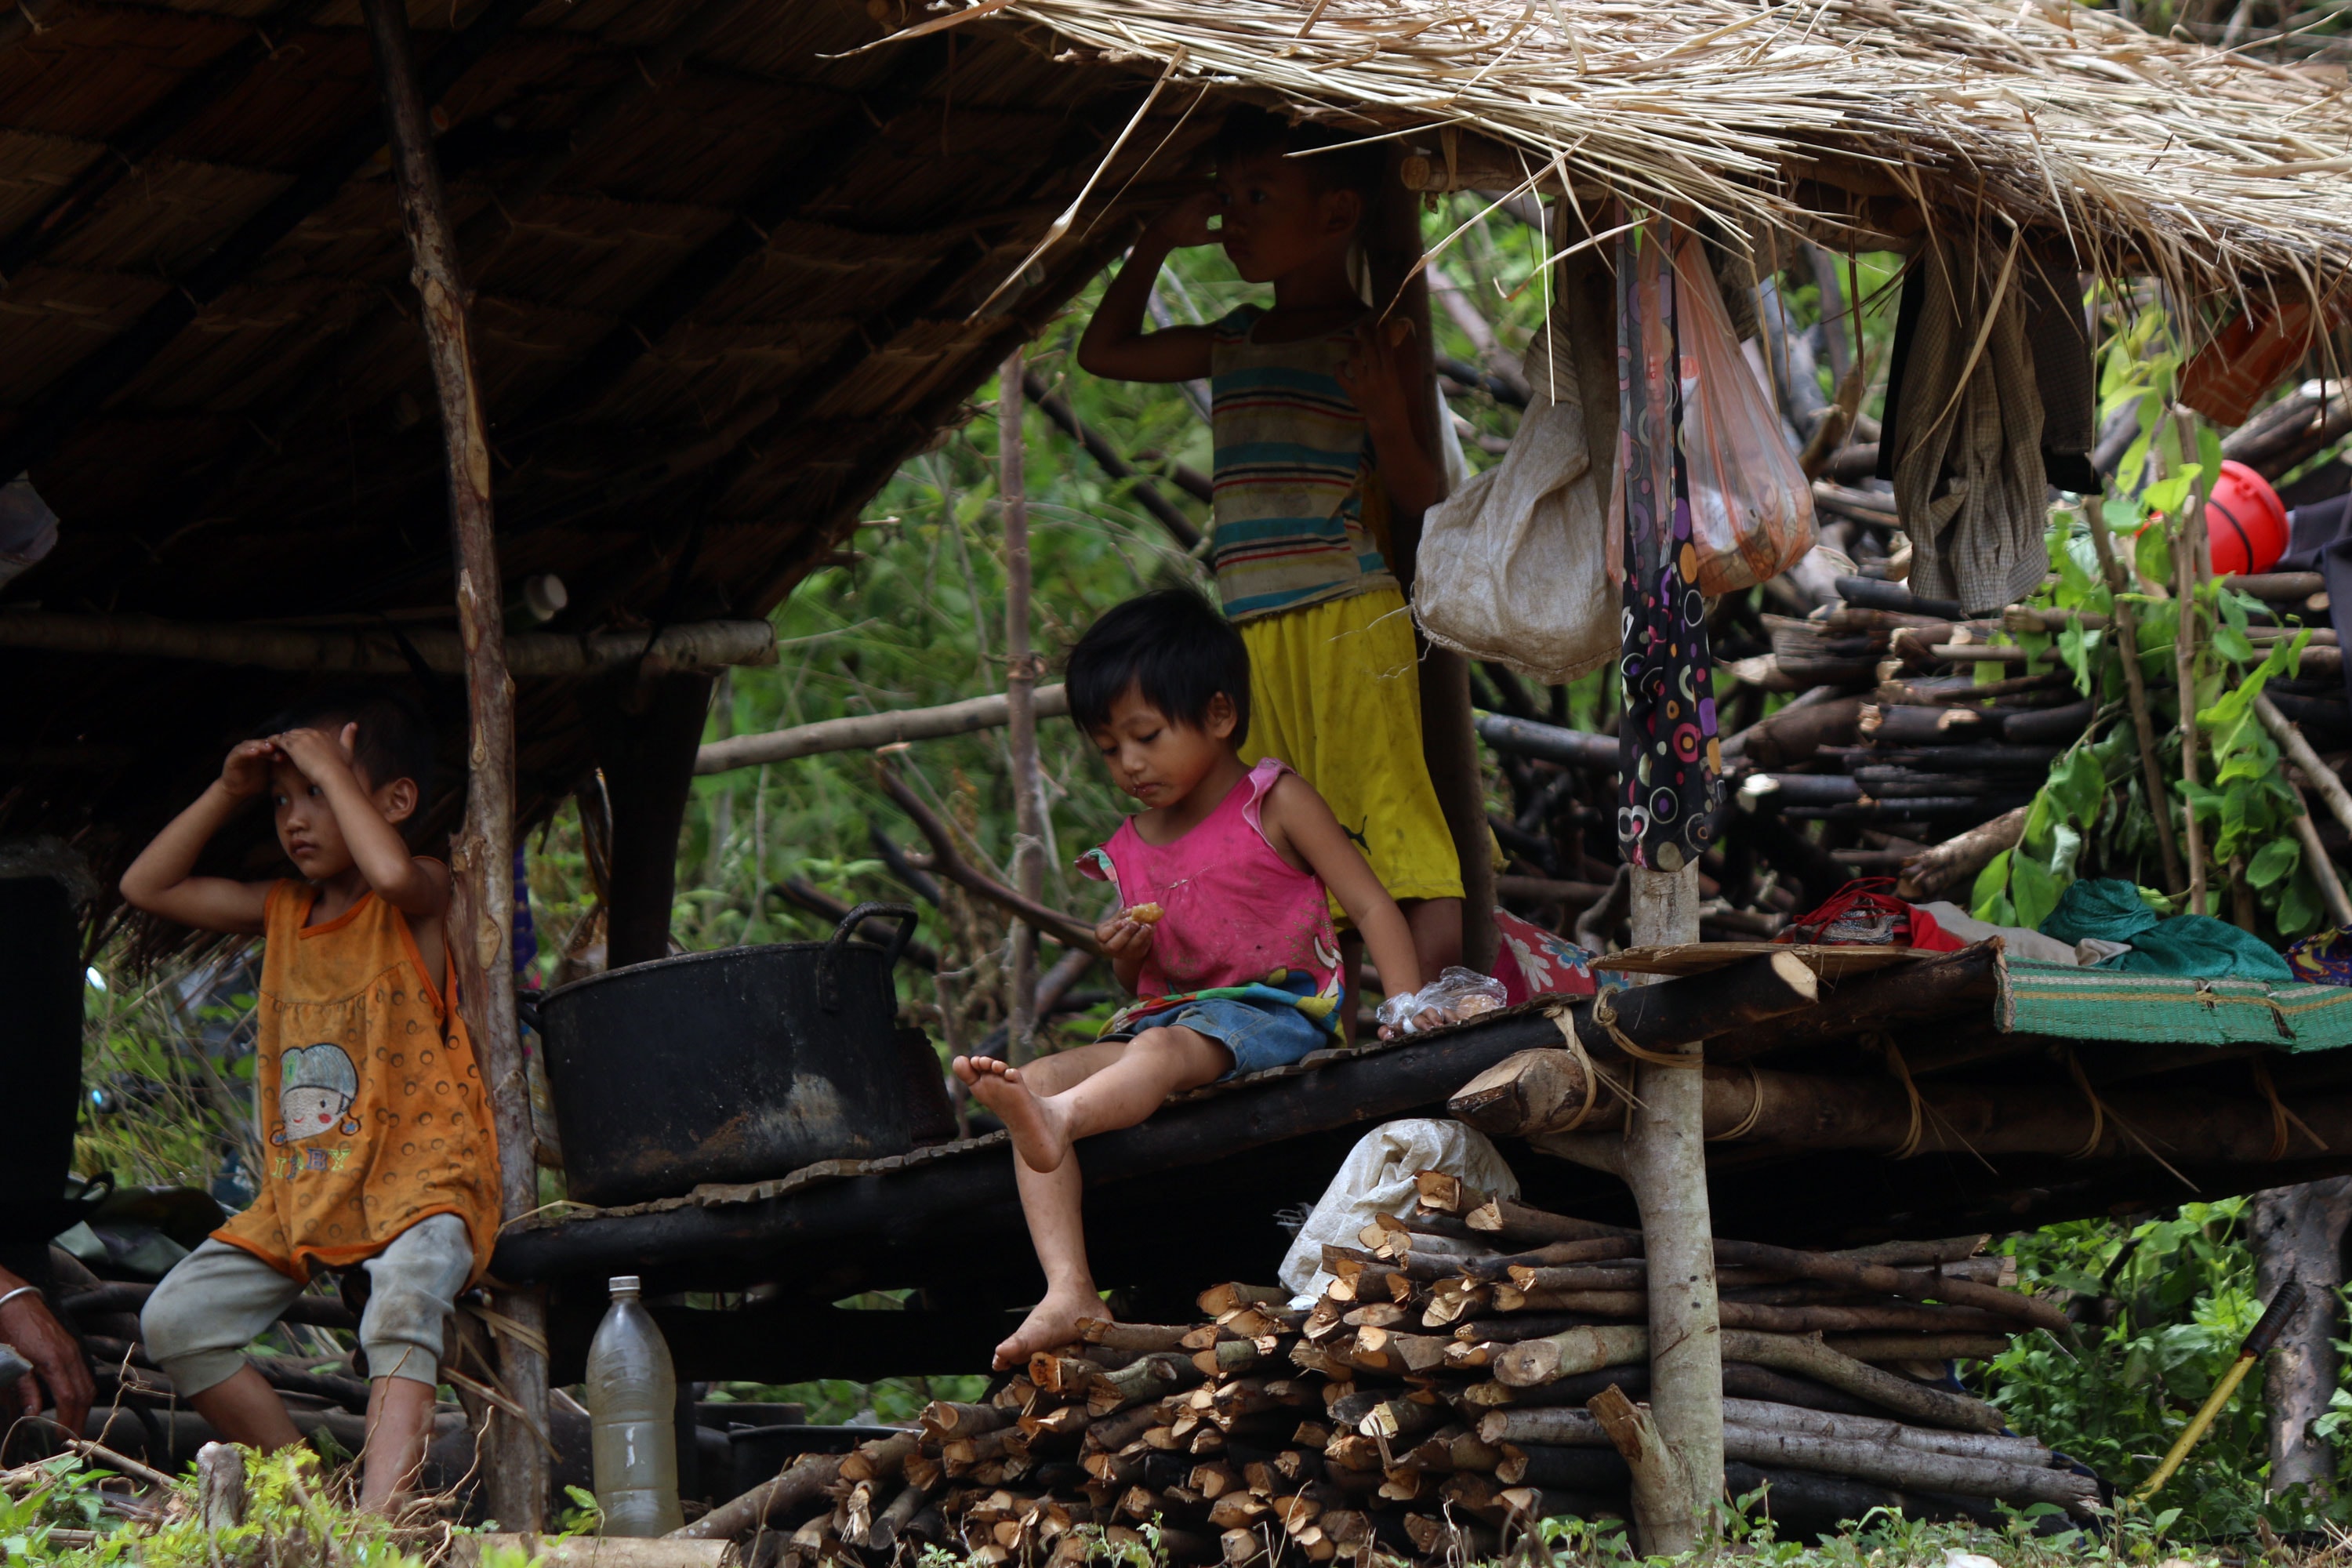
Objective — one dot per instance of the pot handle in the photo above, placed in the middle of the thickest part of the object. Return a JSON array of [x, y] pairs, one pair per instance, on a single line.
[[828, 972]]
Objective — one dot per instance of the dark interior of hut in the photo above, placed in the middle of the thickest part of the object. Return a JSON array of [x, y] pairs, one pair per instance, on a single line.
[[717, 302]]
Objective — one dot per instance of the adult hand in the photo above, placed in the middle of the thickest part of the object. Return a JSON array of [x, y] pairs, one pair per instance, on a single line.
[[58, 1364], [1187, 223], [245, 772], [314, 753]]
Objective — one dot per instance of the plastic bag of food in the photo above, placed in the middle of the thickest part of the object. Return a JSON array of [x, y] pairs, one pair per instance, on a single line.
[[1458, 995], [1751, 507]]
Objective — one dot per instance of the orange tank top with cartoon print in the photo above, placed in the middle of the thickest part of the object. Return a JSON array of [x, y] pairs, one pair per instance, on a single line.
[[374, 1113]]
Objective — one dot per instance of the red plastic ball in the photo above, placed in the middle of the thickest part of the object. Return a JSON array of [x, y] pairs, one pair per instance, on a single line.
[[2245, 522]]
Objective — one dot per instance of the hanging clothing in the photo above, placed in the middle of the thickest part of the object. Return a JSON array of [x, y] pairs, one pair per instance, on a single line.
[[1670, 771], [2065, 371], [1299, 514], [372, 1109], [1963, 436], [2065, 375], [1238, 922]]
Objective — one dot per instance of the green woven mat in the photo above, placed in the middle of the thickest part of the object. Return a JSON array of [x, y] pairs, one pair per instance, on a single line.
[[2107, 1005]]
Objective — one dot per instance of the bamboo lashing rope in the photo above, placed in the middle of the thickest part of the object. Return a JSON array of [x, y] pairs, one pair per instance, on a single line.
[[1605, 1015], [1565, 1022], [2099, 1115], [2282, 1118], [1917, 1132], [2098, 1109], [1754, 1111]]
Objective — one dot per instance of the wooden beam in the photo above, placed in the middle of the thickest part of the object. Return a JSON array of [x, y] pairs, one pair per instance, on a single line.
[[481, 917], [60, 407], [375, 650], [1363, 1087]]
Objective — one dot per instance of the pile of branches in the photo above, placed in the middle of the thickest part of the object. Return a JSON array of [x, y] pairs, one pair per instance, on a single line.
[[1467, 1372]]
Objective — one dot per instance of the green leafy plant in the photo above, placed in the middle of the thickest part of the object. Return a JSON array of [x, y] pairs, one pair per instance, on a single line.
[[2092, 813]]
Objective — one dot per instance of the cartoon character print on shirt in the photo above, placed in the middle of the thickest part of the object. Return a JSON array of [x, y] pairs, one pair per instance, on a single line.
[[317, 1088]]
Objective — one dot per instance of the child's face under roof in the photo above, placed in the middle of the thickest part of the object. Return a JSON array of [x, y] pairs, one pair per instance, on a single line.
[[1279, 216], [1154, 758]]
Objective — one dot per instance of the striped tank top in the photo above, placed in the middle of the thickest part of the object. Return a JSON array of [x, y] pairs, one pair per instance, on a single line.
[[1299, 518]]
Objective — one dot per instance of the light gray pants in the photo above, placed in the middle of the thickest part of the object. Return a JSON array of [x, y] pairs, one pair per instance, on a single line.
[[219, 1298]]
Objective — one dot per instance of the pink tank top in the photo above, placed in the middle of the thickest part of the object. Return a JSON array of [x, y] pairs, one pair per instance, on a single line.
[[1238, 920]]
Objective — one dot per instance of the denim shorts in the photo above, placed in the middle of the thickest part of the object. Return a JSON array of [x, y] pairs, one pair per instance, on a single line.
[[1259, 1035]]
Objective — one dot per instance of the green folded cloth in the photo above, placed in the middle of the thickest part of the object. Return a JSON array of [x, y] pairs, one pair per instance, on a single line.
[[2195, 947]]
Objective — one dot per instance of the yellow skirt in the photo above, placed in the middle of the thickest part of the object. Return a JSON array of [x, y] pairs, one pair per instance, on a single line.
[[1335, 692]]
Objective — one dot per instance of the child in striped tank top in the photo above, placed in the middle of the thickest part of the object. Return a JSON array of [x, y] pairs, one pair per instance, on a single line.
[[1316, 447]]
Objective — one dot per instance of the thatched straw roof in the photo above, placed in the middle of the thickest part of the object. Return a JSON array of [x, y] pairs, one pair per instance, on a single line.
[[736, 259], [2167, 153]]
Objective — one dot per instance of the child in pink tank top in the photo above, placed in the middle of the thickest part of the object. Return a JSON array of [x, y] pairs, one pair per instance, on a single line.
[[1224, 934]]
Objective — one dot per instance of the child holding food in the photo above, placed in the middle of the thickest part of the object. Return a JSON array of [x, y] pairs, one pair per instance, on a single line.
[[1224, 935], [1316, 445]]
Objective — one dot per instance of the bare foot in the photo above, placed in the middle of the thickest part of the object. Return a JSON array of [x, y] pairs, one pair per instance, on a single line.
[[1040, 1135], [1052, 1322]]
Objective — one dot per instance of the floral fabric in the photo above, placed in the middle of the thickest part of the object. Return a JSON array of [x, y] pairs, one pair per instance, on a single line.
[[1670, 760]]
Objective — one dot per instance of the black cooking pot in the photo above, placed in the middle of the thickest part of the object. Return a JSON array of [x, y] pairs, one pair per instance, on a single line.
[[733, 1065]]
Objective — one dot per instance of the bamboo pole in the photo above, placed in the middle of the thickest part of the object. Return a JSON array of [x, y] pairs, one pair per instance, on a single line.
[[1664, 1162], [482, 912], [1021, 671], [2331, 789], [2126, 630], [2192, 567], [2184, 665], [2323, 870], [1449, 744], [864, 732], [2292, 741]]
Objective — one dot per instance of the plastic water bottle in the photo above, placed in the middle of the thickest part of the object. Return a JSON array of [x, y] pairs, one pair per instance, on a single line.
[[633, 1415]]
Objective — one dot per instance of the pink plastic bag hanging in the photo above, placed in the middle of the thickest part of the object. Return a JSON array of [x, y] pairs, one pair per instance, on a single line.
[[1751, 507]]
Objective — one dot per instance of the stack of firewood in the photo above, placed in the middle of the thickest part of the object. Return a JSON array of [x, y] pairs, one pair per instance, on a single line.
[[1460, 1377]]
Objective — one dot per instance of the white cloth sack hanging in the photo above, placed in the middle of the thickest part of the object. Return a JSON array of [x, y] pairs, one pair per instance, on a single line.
[[1377, 1177], [1514, 566]]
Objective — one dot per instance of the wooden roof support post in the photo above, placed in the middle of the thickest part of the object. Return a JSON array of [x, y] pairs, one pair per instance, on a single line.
[[1021, 670], [1448, 743], [1666, 1164], [482, 916]]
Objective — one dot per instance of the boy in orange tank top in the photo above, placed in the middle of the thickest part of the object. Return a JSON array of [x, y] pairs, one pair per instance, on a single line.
[[379, 1151]]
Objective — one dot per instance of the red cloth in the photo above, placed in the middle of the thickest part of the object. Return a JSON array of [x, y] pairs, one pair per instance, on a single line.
[[1866, 913]]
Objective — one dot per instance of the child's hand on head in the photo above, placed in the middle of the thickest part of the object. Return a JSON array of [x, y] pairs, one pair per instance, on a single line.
[[246, 771], [1187, 223], [312, 752]]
